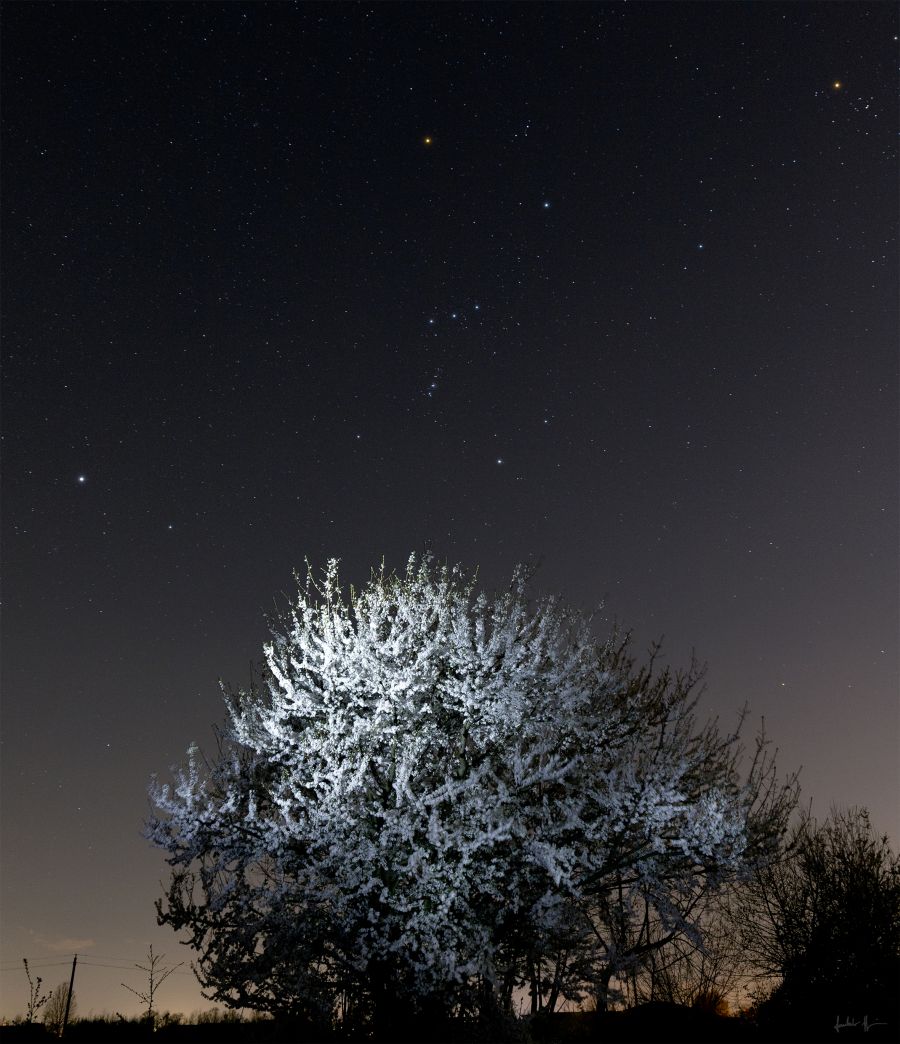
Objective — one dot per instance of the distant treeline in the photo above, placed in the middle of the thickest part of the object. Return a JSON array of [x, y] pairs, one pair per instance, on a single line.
[[654, 1023]]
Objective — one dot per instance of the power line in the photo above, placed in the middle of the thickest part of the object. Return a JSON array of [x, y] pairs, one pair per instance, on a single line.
[[36, 964], [120, 968], [85, 962], [90, 956]]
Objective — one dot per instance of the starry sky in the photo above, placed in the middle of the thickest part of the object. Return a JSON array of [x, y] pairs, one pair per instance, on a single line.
[[609, 288]]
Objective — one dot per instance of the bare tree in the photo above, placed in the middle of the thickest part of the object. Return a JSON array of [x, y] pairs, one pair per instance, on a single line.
[[36, 1000], [708, 971], [825, 923], [55, 1010], [156, 976]]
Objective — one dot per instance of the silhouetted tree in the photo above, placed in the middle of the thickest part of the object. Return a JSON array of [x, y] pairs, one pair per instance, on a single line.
[[705, 970], [826, 921], [36, 999], [436, 798], [157, 974], [55, 1008]]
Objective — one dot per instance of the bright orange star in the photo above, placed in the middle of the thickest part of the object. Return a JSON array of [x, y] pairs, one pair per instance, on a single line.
[[427, 140], [837, 85]]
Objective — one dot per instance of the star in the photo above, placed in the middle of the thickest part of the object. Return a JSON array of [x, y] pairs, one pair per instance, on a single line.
[[82, 479], [427, 140], [837, 85]]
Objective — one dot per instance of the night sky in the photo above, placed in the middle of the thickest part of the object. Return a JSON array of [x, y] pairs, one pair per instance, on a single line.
[[610, 288]]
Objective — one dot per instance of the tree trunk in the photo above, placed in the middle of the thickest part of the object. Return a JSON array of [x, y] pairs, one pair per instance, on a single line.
[[386, 1009], [601, 994], [558, 972]]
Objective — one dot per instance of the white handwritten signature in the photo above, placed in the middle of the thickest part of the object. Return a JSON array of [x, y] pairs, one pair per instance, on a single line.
[[849, 1023]]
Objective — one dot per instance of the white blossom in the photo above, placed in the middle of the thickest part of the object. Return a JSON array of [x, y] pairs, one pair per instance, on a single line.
[[440, 783]]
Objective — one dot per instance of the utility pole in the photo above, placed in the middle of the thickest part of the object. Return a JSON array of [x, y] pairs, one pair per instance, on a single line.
[[69, 998]]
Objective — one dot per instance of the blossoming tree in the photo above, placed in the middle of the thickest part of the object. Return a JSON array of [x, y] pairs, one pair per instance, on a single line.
[[437, 799]]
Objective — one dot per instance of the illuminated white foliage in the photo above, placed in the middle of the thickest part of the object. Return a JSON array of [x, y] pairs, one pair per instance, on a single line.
[[435, 787]]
